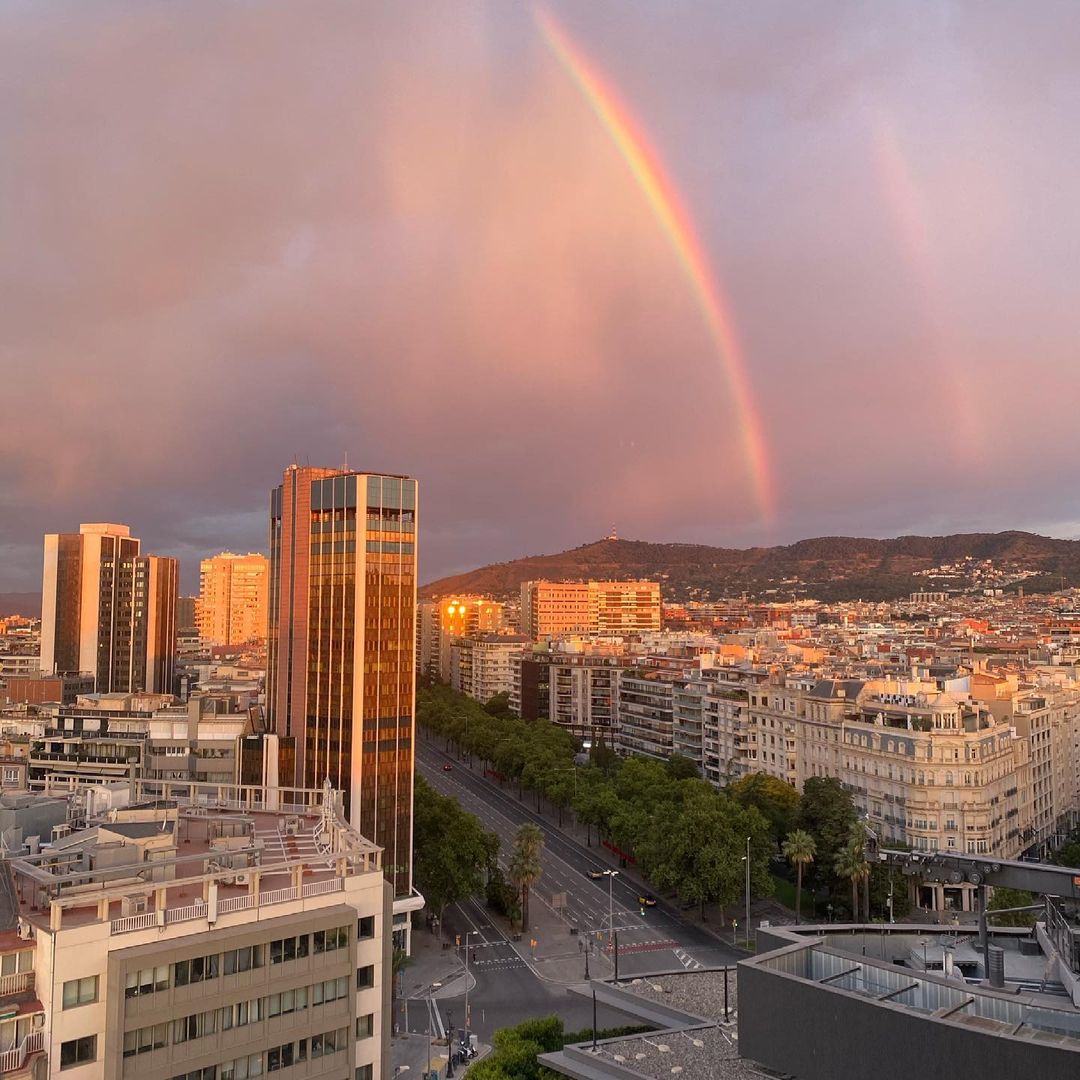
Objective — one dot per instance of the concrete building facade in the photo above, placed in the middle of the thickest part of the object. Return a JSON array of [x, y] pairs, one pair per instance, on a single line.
[[108, 610], [224, 932], [232, 599]]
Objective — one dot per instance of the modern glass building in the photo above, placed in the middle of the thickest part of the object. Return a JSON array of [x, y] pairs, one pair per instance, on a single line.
[[341, 664]]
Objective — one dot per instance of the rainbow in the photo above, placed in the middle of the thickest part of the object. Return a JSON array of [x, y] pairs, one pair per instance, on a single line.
[[668, 209]]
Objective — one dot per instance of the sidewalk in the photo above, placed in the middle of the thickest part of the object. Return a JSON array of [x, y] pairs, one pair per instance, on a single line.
[[434, 960]]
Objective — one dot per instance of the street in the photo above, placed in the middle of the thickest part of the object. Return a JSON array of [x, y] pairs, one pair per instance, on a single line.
[[660, 939]]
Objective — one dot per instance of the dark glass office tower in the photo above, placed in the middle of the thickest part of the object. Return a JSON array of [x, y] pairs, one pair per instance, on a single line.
[[340, 669]]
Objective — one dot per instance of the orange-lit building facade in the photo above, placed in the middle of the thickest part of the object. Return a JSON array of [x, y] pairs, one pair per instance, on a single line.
[[340, 665], [439, 622], [551, 608], [108, 611], [232, 599]]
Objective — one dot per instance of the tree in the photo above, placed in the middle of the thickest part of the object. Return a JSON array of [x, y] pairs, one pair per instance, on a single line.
[[827, 813], [525, 869], [452, 853], [799, 848], [499, 706], [778, 802], [850, 863], [680, 767], [1009, 898]]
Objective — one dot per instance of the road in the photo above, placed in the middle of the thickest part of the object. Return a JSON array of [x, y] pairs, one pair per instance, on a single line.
[[660, 939]]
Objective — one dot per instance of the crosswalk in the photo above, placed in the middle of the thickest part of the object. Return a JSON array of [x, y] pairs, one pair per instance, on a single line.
[[687, 961]]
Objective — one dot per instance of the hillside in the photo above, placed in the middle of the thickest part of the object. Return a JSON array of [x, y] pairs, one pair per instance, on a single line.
[[826, 568]]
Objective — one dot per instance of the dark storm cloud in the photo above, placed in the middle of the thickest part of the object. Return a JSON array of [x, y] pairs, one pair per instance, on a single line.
[[235, 234]]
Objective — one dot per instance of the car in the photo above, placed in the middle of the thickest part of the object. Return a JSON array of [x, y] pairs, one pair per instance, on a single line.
[[596, 875], [447, 767], [647, 900]]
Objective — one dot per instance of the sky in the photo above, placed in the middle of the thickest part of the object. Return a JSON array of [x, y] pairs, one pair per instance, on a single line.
[[239, 234]]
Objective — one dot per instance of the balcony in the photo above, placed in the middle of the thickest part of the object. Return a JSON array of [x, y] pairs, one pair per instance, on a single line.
[[14, 1059], [19, 982]]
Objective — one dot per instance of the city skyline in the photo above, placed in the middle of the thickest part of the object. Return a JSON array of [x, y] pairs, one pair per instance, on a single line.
[[880, 197]]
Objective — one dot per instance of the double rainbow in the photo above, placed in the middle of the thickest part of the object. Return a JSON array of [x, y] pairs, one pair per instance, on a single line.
[[671, 214]]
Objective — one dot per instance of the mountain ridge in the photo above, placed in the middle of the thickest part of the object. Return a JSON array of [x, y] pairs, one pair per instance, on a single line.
[[824, 567]]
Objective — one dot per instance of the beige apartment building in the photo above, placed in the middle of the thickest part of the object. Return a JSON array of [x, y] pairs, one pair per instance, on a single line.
[[926, 768], [440, 622], [483, 665], [551, 608], [108, 610], [222, 933], [231, 609]]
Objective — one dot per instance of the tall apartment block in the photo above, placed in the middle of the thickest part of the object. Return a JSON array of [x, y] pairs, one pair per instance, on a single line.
[[340, 665], [108, 610], [217, 932], [550, 608], [232, 599], [439, 622]]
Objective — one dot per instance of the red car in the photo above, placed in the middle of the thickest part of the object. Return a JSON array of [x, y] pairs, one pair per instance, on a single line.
[[447, 767]]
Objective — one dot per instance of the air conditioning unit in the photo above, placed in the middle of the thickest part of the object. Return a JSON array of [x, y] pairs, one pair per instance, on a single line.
[[25, 931]]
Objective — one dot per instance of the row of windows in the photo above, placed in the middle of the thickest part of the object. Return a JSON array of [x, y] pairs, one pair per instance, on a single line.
[[200, 968], [242, 1013], [278, 1057]]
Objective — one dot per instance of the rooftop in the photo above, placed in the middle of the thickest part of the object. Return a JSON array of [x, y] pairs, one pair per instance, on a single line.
[[181, 851]]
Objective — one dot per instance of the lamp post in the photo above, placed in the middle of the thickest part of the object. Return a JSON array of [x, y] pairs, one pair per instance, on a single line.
[[449, 1045], [611, 876], [468, 934], [746, 859], [431, 1020]]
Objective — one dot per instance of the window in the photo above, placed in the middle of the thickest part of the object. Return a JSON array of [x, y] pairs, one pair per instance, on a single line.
[[290, 948], [146, 1039], [279, 1057], [195, 970], [195, 1026], [365, 1025], [80, 991], [365, 928], [329, 940], [331, 990], [146, 981], [241, 960], [289, 1001], [364, 1072], [78, 1051], [365, 977]]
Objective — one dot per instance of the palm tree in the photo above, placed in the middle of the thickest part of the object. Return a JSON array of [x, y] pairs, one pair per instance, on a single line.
[[851, 864], [525, 868], [799, 850]]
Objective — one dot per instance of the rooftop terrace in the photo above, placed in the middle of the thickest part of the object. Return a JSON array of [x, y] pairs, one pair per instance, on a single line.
[[184, 851]]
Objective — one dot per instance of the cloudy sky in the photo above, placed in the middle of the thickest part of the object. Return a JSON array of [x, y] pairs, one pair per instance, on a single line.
[[238, 233]]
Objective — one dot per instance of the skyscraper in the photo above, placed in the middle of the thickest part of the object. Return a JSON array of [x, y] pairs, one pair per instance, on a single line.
[[232, 599], [340, 665], [108, 610]]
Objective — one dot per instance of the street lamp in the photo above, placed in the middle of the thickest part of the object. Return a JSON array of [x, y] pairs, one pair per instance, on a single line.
[[611, 876], [431, 1019], [746, 859], [468, 934]]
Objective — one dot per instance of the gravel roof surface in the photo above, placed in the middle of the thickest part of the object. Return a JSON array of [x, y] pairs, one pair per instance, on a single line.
[[698, 992], [716, 1059]]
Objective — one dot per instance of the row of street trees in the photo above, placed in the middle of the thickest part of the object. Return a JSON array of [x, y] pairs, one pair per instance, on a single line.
[[687, 837]]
